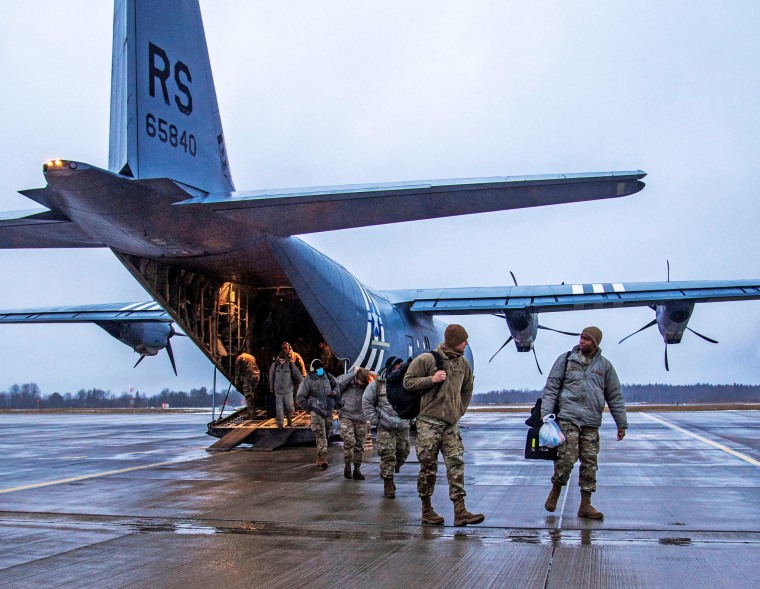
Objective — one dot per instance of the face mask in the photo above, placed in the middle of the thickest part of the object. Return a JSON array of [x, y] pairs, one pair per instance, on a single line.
[[320, 371]]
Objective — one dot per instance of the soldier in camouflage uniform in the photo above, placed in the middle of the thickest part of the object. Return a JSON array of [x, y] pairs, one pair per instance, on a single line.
[[392, 431], [317, 394], [588, 381], [441, 408], [247, 376], [353, 424]]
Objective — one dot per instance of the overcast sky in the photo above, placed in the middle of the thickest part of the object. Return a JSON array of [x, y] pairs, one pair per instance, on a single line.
[[320, 93]]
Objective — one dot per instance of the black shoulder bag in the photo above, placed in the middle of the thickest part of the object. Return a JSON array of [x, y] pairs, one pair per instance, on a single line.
[[532, 450]]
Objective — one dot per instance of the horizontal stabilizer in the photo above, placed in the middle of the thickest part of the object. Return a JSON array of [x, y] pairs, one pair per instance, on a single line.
[[142, 312], [41, 229], [309, 210], [570, 297]]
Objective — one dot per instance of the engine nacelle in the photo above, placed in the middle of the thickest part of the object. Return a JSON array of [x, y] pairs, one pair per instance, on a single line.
[[523, 327], [672, 319], [147, 339]]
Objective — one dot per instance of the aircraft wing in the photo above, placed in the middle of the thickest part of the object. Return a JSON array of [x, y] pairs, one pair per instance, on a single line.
[[41, 228], [570, 297], [141, 312], [308, 210]]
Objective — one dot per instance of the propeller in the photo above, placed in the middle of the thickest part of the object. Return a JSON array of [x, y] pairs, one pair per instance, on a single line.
[[559, 331], [704, 337], [663, 315], [537, 365], [509, 339], [533, 316], [172, 333], [652, 322]]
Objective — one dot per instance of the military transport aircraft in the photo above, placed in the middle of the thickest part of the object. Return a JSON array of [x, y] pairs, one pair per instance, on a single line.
[[227, 267]]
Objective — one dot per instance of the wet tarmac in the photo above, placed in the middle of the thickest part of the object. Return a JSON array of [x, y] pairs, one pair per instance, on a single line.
[[136, 501]]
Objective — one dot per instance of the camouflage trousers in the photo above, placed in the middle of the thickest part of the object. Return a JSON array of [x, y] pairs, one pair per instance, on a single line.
[[353, 434], [446, 439], [393, 448], [580, 444], [321, 427], [283, 406], [246, 386]]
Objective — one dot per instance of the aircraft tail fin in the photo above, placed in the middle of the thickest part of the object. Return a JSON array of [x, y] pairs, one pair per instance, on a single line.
[[165, 119]]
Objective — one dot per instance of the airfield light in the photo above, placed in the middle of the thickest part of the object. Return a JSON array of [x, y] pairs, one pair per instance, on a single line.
[[58, 163]]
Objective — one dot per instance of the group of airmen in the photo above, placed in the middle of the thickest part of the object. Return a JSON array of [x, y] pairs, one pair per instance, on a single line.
[[580, 384], [361, 399]]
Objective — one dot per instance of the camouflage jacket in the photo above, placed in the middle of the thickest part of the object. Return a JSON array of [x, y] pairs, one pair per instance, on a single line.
[[318, 393], [283, 378], [378, 410], [453, 397], [350, 397]]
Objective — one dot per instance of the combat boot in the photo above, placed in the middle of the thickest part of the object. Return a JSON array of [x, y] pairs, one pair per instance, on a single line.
[[358, 476], [586, 509], [290, 422], [429, 516], [551, 500], [462, 517], [389, 489], [347, 471]]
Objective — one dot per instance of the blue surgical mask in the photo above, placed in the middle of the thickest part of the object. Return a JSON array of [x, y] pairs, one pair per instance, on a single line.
[[320, 371]]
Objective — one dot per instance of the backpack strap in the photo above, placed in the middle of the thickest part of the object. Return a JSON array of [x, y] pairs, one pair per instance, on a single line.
[[561, 384], [438, 366]]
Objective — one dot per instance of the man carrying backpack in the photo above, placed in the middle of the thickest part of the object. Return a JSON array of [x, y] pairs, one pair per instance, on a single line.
[[445, 396], [392, 431]]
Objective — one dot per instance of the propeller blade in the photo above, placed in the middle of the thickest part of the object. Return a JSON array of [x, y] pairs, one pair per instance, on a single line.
[[173, 332], [501, 348], [171, 355], [513, 277], [140, 360], [704, 337], [666, 358], [537, 365], [558, 331], [652, 322]]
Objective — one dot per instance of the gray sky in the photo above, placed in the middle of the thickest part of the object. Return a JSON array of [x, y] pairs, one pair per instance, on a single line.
[[316, 93]]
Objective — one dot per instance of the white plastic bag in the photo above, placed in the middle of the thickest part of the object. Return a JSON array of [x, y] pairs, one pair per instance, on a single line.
[[550, 435]]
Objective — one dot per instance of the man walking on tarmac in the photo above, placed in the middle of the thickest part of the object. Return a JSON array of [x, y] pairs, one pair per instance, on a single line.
[[445, 396], [581, 381]]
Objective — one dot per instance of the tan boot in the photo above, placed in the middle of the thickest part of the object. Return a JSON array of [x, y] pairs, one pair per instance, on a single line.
[[586, 509], [358, 476], [347, 471], [462, 517], [429, 516], [389, 489], [551, 500]]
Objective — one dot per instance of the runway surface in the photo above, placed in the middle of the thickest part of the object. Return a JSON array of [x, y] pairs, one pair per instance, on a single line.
[[136, 501]]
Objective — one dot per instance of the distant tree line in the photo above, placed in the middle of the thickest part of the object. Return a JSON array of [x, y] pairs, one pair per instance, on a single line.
[[29, 396], [644, 393]]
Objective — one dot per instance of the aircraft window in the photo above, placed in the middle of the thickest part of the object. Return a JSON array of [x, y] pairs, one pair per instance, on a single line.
[[427, 342]]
